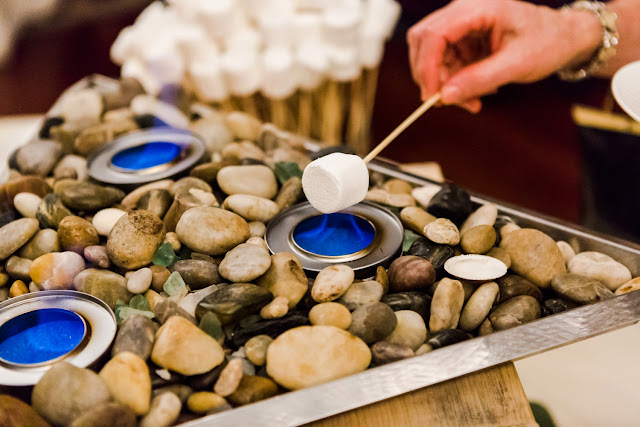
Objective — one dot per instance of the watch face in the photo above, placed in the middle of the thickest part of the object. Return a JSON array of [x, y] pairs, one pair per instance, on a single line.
[[625, 86]]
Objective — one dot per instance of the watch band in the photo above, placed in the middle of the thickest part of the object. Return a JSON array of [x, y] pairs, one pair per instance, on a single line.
[[607, 48]]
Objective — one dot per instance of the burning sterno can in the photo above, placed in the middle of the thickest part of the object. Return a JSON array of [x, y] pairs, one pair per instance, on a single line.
[[41, 328], [363, 237], [146, 156]]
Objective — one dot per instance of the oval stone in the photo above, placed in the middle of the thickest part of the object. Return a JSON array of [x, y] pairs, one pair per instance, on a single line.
[[415, 218], [567, 251], [15, 234], [256, 348], [410, 273], [252, 208], [600, 266], [580, 289], [332, 282], [415, 301], [514, 312], [234, 302], [43, 242], [478, 240], [164, 411], [211, 231], [534, 255], [85, 196], [410, 330], [127, 377], [446, 305], [104, 284], [197, 274], [245, 263], [451, 202], [331, 314], [478, 306], [362, 293], [484, 215], [134, 239], [105, 219], [512, 285], [27, 204], [157, 201], [255, 180], [285, 277], [372, 322], [442, 231], [75, 234], [136, 334], [56, 270], [312, 355]]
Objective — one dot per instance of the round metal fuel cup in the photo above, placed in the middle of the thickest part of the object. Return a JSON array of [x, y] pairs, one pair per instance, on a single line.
[[42, 328], [363, 237], [146, 156]]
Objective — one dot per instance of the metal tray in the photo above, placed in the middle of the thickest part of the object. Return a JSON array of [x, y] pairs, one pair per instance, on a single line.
[[373, 385]]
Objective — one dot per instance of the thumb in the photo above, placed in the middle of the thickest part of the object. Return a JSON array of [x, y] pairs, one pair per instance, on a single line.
[[482, 77]]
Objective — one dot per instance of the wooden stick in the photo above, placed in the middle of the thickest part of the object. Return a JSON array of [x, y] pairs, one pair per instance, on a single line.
[[397, 131]]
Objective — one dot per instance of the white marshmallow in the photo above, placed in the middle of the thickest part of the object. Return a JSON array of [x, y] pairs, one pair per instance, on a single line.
[[381, 17], [218, 17], [208, 80], [124, 46], [187, 9], [242, 72], [244, 39], [164, 63], [276, 23], [312, 5], [312, 64], [278, 79], [344, 64], [335, 182], [342, 22], [135, 68], [307, 27], [370, 50], [194, 44], [171, 115]]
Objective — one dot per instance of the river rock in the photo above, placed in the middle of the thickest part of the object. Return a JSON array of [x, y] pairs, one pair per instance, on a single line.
[[442, 231], [410, 330], [131, 200], [416, 218], [500, 254], [362, 293], [251, 208], [204, 402], [27, 204], [243, 125], [285, 277], [51, 211], [512, 285], [290, 193], [19, 268], [65, 392], [43, 242], [56, 270], [446, 305], [332, 282], [15, 234], [478, 240], [85, 196], [423, 195], [136, 334], [184, 348], [97, 255], [245, 263], [229, 379], [104, 284], [631, 285], [127, 377], [253, 389], [372, 322], [275, 309], [197, 274], [38, 157], [414, 301], [451, 202], [211, 231], [186, 184], [164, 411], [567, 251], [600, 266], [75, 234], [244, 151], [330, 314], [514, 312], [165, 308], [256, 348], [397, 186], [311, 355], [107, 414], [157, 201], [105, 219], [234, 302], [384, 352], [580, 289], [486, 328], [484, 215], [534, 255], [257, 229], [382, 277], [255, 180], [380, 195], [139, 281], [134, 239], [18, 288], [159, 275], [71, 166], [272, 328], [556, 305], [16, 413], [410, 273], [478, 306], [435, 253], [448, 337]]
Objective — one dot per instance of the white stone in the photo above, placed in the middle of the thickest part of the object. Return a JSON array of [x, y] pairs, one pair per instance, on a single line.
[[410, 330], [332, 282], [484, 215], [106, 219], [27, 204], [600, 266], [335, 182], [567, 251], [139, 281]]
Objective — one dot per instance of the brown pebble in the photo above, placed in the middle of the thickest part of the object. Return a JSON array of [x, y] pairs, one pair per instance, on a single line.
[[253, 389], [159, 276], [18, 288], [230, 378]]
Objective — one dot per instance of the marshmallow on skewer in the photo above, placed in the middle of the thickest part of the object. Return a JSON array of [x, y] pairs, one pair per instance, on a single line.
[[335, 182], [278, 79], [208, 80], [242, 72]]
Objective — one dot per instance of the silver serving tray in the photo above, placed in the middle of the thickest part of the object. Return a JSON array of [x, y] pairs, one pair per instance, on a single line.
[[373, 385]]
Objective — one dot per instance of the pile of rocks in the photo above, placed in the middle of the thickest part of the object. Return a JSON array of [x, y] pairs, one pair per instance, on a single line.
[[208, 318]]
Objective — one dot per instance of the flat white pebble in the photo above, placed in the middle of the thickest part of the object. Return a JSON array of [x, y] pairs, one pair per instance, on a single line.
[[27, 204], [105, 219], [140, 281]]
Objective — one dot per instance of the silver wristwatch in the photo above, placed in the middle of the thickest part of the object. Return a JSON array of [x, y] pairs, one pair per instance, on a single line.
[[607, 48]]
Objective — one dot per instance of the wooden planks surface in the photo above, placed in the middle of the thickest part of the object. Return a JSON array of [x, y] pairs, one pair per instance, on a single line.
[[492, 397]]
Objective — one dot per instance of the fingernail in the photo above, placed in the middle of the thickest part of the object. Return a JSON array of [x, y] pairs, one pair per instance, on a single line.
[[451, 94]]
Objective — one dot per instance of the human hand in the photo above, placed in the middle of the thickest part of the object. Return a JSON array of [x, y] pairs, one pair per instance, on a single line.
[[470, 48]]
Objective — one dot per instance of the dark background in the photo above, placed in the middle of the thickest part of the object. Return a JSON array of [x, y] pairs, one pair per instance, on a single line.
[[522, 148]]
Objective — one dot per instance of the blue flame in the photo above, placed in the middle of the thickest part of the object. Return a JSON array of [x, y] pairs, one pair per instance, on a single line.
[[146, 155], [334, 234], [40, 336]]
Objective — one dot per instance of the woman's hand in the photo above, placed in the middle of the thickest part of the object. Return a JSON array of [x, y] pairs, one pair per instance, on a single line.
[[472, 47]]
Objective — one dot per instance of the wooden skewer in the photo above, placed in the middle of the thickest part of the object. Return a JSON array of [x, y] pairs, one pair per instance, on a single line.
[[405, 124]]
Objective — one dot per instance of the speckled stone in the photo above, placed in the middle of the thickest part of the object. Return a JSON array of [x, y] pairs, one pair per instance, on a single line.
[[332, 282], [51, 211], [134, 239], [245, 263], [211, 231], [104, 284], [442, 231], [75, 234]]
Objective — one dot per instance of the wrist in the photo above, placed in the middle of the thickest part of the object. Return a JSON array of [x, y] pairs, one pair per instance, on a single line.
[[587, 34]]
